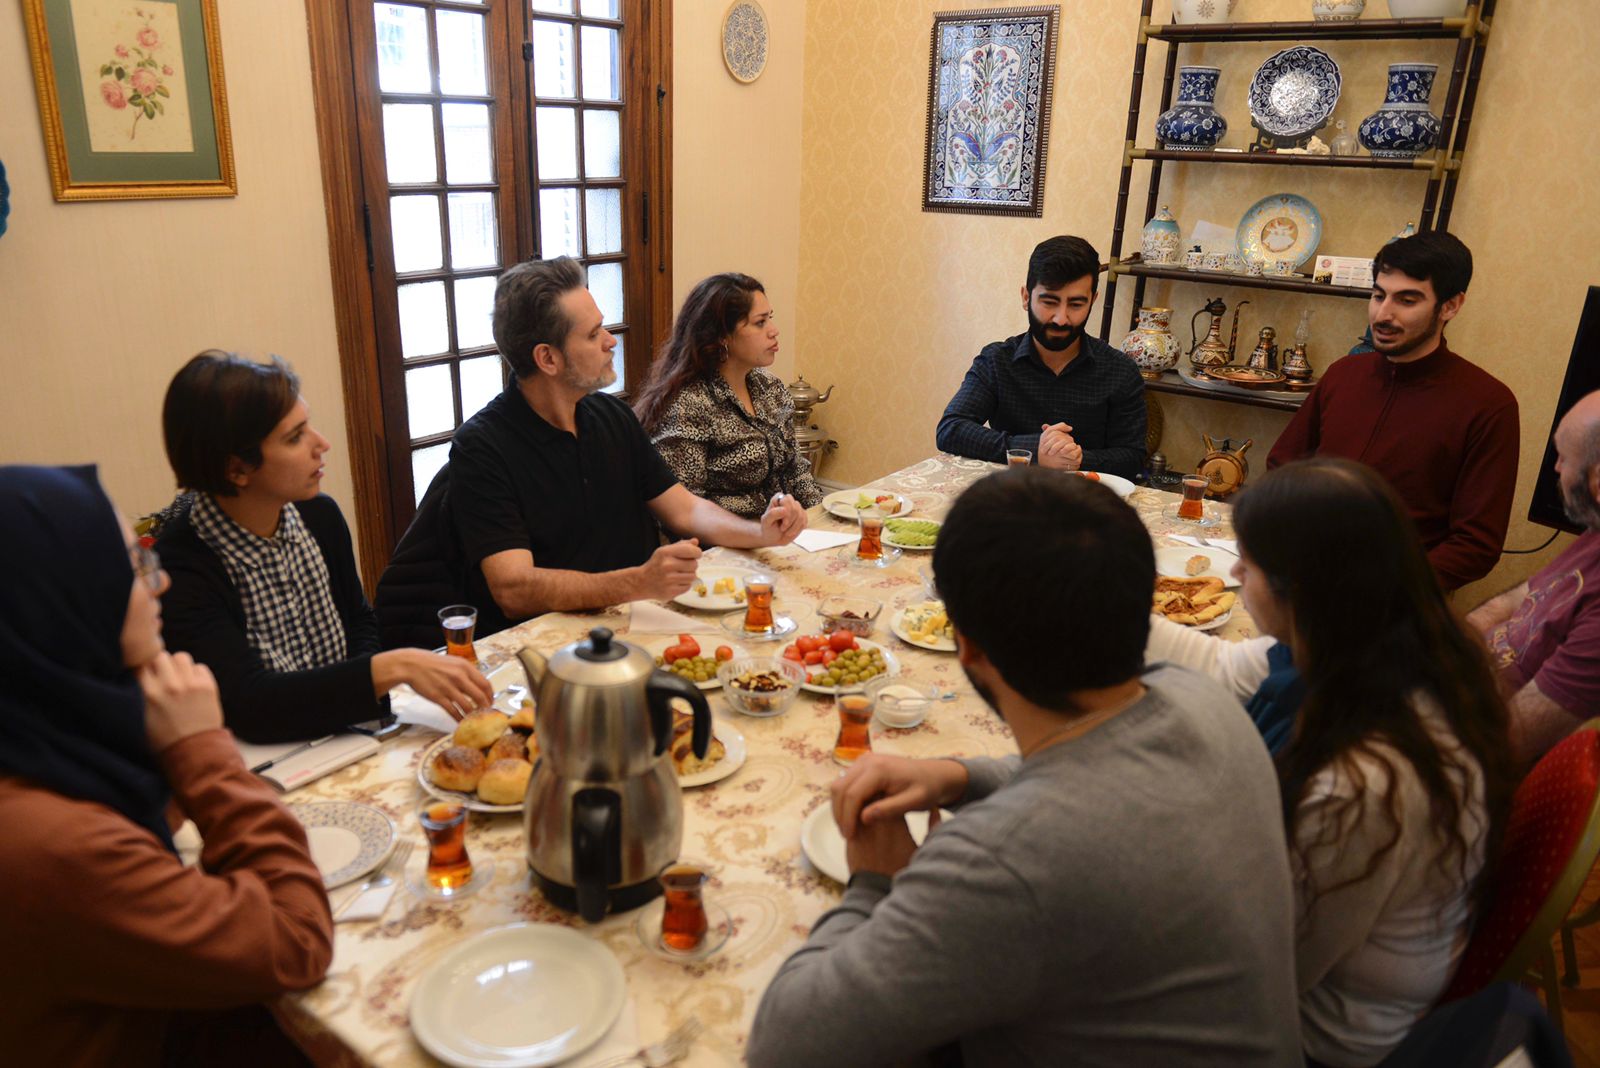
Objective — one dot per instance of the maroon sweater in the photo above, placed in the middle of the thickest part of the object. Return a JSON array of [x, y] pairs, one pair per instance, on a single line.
[[1441, 430]]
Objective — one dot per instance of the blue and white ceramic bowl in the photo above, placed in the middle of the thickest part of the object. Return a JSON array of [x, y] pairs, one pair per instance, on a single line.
[[1294, 92]]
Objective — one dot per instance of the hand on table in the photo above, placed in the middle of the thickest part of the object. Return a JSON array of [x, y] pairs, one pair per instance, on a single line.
[[453, 683], [783, 520], [881, 789], [1057, 449], [180, 699], [669, 571]]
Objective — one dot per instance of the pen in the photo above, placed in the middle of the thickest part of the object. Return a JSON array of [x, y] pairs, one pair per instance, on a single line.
[[296, 751]]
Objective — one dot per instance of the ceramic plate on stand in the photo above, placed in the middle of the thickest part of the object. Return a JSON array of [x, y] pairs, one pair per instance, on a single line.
[[1294, 92], [1282, 227]]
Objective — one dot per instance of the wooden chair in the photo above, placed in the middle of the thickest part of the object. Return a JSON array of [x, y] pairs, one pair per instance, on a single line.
[[1551, 841]]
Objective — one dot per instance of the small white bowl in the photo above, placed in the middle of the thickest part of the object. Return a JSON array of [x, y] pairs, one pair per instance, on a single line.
[[901, 703]]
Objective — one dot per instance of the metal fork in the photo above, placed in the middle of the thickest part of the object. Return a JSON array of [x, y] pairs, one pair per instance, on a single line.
[[383, 877], [670, 1050]]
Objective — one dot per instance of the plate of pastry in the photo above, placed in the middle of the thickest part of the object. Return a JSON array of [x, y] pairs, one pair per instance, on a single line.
[[1209, 562], [485, 764], [1201, 603], [724, 756]]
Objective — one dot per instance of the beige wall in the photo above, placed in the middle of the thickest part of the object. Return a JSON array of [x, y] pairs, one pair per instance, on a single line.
[[101, 302], [737, 161], [897, 301]]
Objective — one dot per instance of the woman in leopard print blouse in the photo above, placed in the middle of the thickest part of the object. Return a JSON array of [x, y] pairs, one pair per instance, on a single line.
[[722, 421]]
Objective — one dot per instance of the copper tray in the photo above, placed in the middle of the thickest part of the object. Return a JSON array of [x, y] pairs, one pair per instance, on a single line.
[[1248, 377]]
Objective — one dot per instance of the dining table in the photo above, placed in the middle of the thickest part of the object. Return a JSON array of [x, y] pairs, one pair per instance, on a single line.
[[746, 827]]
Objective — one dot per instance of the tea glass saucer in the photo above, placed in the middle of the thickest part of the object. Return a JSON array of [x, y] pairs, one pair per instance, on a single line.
[[417, 880], [719, 929], [1211, 518], [890, 555], [782, 627]]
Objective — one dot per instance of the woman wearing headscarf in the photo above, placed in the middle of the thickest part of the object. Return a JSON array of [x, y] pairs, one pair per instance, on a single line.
[[265, 590], [105, 741]]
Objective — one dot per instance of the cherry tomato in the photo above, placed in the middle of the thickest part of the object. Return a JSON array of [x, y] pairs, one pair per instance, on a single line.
[[688, 645], [724, 653], [791, 653], [829, 656], [842, 640], [807, 642], [813, 657]]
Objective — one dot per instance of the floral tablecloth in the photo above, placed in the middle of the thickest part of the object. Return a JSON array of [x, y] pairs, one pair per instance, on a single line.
[[747, 825]]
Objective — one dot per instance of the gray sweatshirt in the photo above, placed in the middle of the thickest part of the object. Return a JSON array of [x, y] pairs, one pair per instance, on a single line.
[[1120, 899]]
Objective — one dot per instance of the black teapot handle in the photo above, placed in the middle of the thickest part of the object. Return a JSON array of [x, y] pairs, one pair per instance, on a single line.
[[596, 848], [659, 691]]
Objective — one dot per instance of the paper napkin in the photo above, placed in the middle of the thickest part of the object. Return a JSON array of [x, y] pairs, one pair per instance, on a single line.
[[816, 540], [408, 706], [369, 905], [646, 617]]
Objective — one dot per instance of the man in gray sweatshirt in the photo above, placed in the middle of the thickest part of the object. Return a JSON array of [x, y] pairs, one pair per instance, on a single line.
[[1118, 895]]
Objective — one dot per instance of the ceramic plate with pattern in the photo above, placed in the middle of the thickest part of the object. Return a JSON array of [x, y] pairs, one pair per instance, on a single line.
[[469, 801], [843, 504], [347, 839], [1294, 92], [1283, 226], [745, 33]]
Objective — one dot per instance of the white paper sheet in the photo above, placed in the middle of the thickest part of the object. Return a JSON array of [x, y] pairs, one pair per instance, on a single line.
[[816, 540]]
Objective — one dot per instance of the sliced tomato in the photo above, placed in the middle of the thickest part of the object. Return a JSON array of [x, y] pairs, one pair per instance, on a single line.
[[841, 640], [791, 653], [673, 653], [808, 642], [813, 657]]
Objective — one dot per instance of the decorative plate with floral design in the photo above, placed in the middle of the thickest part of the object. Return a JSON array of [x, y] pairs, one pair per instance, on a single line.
[[744, 40], [1294, 92], [1283, 226]]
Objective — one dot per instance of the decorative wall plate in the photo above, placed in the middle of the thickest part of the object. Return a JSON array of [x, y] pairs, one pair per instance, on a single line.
[[1294, 92], [1284, 226], [745, 35]]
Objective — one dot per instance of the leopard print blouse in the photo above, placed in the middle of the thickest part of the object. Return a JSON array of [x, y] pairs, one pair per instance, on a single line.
[[722, 453]]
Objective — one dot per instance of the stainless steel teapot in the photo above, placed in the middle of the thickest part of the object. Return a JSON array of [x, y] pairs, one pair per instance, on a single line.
[[604, 812]]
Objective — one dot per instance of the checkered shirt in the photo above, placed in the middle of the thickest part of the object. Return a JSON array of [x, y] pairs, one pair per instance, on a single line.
[[290, 618]]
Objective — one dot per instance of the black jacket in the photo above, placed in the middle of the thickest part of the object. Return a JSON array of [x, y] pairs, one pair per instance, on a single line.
[[424, 575], [203, 616]]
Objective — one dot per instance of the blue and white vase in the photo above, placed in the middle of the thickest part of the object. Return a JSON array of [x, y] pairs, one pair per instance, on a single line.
[[1193, 124], [1403, 128]]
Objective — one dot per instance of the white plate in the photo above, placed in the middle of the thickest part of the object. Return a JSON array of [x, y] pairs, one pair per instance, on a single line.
[[891, 666], [733, 741], [1171, 563], [1115, 483], [823, 845], [708, 647], [890, 539], [842, 503], [347, 839], [469, 800], [523, 995], [715, 602], [1220, 621], [898, 627]]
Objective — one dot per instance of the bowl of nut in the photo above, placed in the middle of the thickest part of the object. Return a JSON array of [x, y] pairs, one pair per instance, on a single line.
[[855, 615], [761, 685]]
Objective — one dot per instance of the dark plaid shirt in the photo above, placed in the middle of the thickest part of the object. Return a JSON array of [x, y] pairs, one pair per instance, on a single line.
[[1099, 394]]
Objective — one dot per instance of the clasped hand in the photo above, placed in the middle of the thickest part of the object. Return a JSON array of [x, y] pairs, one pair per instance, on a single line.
[[783, 520], [870, 802], [1058, 449]]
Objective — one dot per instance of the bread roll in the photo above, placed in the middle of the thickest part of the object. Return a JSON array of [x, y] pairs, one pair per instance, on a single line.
[[457, 768], [480, 729], [509, 746], [505, 782], [524, 716], [684, 760]]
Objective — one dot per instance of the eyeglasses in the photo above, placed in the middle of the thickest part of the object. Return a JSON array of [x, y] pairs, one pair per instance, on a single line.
[[146, 566]]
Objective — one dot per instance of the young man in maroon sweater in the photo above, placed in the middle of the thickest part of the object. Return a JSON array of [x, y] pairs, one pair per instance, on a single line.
[[1443, 431]]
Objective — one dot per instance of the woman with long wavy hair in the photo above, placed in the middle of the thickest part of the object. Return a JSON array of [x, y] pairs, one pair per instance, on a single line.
[[723, 423], [1396, 769]]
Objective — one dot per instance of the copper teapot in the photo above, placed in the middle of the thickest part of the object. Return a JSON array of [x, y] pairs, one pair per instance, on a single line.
[[805, 398]]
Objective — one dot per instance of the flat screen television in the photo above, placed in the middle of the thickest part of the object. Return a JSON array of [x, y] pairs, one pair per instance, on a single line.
[[1583, 378]]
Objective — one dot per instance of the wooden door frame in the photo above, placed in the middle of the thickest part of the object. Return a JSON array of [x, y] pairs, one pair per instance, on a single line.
[[333, 81]]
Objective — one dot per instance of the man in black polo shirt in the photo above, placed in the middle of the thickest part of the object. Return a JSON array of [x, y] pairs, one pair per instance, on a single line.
[[555, 490], [1070, 399]]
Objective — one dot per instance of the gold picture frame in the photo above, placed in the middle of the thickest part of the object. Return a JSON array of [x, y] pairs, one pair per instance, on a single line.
[[107, 71]]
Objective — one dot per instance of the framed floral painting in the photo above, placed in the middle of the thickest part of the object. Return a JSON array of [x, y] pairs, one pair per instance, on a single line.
[[989, 88], [131, 97]]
